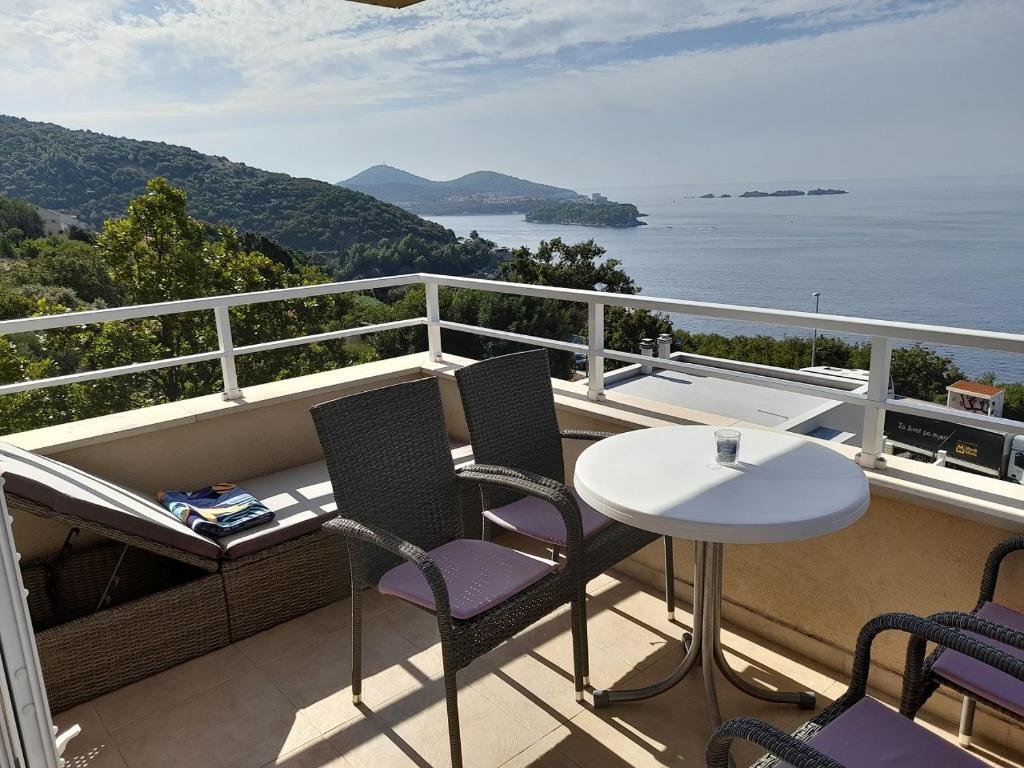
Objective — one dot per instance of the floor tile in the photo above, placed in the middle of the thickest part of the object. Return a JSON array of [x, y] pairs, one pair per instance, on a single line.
[[93, 747], [170, 687], [278, 641], [316, 754], [412, 730], [544, 754], [241, 723], [317, 678]]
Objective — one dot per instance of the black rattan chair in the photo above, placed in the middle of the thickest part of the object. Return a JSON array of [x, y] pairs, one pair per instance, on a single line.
[[979, 683], [856, 731], [510, 411], [397, 492]]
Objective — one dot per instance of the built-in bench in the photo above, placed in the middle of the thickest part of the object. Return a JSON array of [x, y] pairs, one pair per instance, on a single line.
[[150, 593]]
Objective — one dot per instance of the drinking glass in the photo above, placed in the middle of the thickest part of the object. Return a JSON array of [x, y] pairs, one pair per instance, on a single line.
[[727, 446]]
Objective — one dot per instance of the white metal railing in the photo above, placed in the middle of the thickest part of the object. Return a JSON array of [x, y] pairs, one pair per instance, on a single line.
[[875, 400]]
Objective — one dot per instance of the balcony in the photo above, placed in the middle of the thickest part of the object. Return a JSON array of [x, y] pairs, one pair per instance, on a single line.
[[280, 697]]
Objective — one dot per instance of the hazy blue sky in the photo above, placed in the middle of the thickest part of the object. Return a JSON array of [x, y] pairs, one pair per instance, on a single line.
[[582, 94]]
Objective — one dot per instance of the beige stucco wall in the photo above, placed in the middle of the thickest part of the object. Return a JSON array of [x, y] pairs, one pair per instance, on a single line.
[[228, 443]]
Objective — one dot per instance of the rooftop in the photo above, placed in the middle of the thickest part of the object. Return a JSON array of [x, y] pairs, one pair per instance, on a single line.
[[747, 402], [976, 388]]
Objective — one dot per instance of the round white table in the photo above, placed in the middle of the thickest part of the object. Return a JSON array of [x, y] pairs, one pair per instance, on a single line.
[[666, 480]]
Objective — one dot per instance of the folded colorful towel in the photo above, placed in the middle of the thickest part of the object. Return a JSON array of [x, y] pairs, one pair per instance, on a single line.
[[217, 510]]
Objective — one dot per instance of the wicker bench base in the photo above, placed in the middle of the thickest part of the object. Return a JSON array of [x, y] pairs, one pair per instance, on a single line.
[[85, 653]]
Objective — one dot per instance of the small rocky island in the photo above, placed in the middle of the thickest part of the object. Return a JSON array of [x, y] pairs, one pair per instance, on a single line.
[[780, 193], [588, 213], [776, 193]]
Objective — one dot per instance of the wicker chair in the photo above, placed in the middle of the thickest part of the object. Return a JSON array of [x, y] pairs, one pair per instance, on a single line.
[[510, 411], [975, 681], [839, 736], [398, 499]]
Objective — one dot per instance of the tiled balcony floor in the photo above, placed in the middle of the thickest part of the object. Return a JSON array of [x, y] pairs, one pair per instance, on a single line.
[[282, 698]]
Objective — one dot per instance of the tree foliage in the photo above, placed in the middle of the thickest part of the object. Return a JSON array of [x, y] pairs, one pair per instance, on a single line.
[[916, 371], [589, 213], [156, 253]]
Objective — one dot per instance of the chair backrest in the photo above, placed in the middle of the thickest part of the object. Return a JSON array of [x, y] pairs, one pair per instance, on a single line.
[[510, 411], [391, 466]]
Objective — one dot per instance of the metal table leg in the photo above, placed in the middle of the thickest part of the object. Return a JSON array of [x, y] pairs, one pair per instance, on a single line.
[[692, 644], [803, 699], [712, 603], [705, 647]]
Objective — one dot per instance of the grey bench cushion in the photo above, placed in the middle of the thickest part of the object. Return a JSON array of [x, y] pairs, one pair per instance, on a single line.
[[301, 499], [107, 506]]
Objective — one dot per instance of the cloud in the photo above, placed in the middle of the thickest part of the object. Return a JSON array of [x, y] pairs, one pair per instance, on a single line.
[[724, 89], [331, 53]]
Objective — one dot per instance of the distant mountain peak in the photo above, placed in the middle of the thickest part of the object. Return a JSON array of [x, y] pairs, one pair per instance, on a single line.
[[476, 192]]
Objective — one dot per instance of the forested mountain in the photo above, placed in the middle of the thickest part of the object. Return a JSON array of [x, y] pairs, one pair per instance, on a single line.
[[94, 176], [478, 192]]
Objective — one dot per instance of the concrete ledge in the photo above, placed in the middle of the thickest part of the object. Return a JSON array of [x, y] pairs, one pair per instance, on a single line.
[[104, 429]]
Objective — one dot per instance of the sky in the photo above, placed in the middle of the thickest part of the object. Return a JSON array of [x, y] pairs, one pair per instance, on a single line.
[[581, 94]]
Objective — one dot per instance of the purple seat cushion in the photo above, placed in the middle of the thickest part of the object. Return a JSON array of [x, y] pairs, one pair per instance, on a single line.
[[538, 519], [976, 676], [479, 575], [870, 735]]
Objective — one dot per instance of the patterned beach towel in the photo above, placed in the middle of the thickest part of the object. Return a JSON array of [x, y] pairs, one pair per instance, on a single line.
[[216, 511]]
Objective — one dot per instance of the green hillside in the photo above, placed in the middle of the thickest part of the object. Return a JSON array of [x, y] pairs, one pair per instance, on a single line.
[[94, 176]]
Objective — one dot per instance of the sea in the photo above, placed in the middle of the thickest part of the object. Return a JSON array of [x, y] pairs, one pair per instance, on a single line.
[[941, 251]]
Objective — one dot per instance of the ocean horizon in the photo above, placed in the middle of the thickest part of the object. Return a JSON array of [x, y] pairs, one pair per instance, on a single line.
[[940, 251]]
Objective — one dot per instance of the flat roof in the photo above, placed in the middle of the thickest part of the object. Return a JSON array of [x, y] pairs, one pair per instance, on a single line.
[[746, 402]]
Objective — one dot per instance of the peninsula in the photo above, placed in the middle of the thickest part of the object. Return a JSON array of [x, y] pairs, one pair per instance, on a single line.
[[588, 213]]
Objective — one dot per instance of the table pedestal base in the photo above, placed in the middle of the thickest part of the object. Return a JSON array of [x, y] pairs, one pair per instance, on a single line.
[[704, 647]]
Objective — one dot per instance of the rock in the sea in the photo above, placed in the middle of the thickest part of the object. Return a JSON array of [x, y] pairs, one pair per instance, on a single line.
[[827, 192], [708, 196], [725, 195], [787, 193], [755, 193]]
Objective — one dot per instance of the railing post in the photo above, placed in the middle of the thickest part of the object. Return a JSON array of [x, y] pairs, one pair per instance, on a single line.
[[227, 354], [872, 449], [433, 322], [595, 351]]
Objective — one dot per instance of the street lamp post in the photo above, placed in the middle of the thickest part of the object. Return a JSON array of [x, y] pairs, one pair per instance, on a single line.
[[814, 342]]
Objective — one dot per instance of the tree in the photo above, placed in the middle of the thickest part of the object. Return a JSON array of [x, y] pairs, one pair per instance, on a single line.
[[1013, 395], [156, 253], [557, 264], [922, 373]]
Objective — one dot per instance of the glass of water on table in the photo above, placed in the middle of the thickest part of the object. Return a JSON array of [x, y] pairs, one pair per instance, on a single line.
[[727, 446]]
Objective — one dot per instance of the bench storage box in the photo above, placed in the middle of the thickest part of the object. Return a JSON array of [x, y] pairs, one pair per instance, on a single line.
[[152, 593]]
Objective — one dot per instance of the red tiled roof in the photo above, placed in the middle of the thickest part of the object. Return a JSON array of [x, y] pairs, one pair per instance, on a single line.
[[976, 388]]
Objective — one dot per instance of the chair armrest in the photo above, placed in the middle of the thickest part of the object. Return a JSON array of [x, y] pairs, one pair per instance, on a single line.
[[582, 434], [992, 564], [407, 551], [540, 487], [979, 625], [922, 631], [778, 743]]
